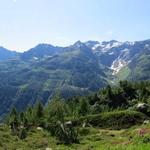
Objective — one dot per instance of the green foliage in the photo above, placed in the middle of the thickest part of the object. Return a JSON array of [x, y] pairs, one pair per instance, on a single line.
[[105, 109], [84, 131], [113, 120], [56, 110], [22, 134], [66, 134], [38, 113], [109, 91], [83, 107], [14, 121], [29, 115], [73, 72], [140, 67], [146, 139], [123, 73], [97, 108]]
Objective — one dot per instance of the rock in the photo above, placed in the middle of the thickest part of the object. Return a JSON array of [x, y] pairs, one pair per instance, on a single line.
[[68, 123], [84, 124], [143, 107], [22, 127], [39, 128], [48, 148], [146, 122]]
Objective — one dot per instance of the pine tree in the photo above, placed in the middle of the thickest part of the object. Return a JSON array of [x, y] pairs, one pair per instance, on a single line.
[[29, 115], [83, 107], [22, 134], [22, 117], [14, 121], [109, 91], [39, 110], [56, 110], [38, 113]]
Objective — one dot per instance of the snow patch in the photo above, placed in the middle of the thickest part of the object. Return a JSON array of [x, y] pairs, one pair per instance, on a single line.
[[111, 53], [105, 46], [47, 56], [112, 82], [108, 46], [35, 58], [95, 46], [116, 44], [130, 43], [125, 50], [117, 65], [146, 46]]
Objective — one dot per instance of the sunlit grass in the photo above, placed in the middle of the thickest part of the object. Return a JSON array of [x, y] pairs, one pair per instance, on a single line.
[[90, 139]]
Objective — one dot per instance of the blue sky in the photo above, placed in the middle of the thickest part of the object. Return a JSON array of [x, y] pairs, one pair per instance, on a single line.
[[25, 23]]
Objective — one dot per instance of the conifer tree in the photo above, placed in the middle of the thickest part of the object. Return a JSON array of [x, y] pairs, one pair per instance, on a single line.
[[14, 121], [29, 115], [83, 107], [109, 91], [56, 109], [38, 113]]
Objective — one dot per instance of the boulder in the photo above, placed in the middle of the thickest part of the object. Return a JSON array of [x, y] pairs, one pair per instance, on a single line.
[[39, 128], [48, 148], [146, 122], [142, 107]]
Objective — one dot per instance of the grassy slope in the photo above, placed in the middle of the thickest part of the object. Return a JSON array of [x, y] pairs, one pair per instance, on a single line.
[[95, 139], [123, 74]]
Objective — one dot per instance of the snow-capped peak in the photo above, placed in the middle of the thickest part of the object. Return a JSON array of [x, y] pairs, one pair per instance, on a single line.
[[130, 43], [78, 44], [105, 46], [108, 45], [92, 44], [96, 46]]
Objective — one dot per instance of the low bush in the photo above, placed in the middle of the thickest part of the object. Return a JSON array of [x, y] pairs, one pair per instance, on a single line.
[[22, 134], [146, 139], [66, 134], [83, 131], [112, 120]]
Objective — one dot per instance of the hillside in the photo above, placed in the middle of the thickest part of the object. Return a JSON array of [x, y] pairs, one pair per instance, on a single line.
[[93, 138], [6, 54], [73, 72], [113, 118], [79, 69]]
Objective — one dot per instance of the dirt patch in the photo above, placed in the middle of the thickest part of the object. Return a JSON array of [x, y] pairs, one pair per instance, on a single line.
[[143, 131], [122, 142]]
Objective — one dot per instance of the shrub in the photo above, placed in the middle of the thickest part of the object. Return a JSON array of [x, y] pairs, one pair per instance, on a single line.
[[113, 120], [146, 139], [66, 134], [84, 131], [22, 134]]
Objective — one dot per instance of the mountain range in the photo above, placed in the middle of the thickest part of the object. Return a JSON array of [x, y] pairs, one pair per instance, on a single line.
[[79, 69]]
